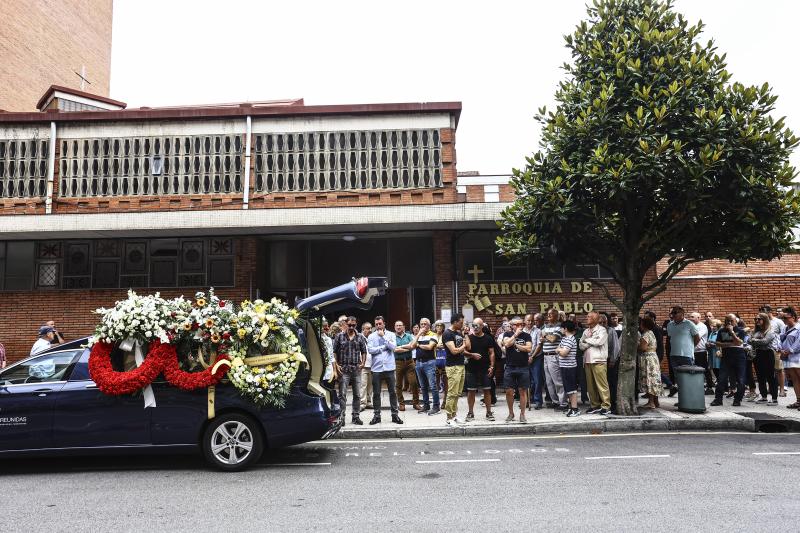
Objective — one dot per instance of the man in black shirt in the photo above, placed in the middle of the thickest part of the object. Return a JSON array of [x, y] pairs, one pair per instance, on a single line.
[[455, 345], [518, 345], [480, 368]]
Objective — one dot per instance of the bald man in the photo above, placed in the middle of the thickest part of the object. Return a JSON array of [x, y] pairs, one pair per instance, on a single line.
[[480, 368]]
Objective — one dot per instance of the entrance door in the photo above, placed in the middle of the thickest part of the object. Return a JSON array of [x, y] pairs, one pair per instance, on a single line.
[[399, 307]]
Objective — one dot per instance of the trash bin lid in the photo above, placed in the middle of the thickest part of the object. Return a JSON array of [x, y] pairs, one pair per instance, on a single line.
[[690, 369]]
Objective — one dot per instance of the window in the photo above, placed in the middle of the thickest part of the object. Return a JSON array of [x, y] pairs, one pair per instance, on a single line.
[[115, 263], [42, 369]]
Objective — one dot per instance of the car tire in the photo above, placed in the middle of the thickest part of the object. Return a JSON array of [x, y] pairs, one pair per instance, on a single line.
[[232, 442]]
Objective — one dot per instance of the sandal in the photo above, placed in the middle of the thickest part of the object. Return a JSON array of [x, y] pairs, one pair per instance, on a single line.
[[795, 405]]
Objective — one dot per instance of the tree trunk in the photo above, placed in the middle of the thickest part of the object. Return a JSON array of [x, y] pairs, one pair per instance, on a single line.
[[627, 386]]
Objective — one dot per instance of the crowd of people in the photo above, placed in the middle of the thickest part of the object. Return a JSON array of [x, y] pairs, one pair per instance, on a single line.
[[554, 360]]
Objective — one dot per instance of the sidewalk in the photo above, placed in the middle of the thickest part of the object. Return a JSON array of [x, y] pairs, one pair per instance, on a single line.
[[748, 417]]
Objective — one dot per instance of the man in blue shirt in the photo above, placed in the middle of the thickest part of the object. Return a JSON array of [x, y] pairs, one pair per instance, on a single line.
[[381, 344], [683, 337]]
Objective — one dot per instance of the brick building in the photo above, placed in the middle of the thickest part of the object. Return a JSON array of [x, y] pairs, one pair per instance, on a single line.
[[278, 198], [44, 43]]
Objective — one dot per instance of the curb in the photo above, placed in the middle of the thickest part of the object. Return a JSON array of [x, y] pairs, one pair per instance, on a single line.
[[612, 425]]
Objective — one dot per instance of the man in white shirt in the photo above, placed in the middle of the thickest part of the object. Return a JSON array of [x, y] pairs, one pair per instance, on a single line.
[[46, 336], [594, 343], [700, 350]]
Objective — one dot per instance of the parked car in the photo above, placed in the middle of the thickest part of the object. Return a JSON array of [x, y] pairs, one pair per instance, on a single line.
[[50, 405]]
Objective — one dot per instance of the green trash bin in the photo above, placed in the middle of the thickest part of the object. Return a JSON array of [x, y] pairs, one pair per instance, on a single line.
[[691, 388]]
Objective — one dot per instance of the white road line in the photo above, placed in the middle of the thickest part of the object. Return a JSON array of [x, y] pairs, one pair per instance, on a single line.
[[461, 461], [353, 442], [626, 457], [776, 453], [298, 464]]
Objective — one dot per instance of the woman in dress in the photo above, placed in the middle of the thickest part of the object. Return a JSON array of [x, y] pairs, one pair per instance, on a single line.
[[650, 370]]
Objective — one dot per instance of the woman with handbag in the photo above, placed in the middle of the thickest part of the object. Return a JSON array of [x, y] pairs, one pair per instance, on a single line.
[[790, 352], [764, 342]]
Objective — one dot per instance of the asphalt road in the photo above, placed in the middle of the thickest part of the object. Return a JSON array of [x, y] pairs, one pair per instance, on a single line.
[[634, 482]]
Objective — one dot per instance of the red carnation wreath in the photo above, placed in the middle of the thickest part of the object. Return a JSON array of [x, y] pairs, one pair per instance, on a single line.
[[160, 358]]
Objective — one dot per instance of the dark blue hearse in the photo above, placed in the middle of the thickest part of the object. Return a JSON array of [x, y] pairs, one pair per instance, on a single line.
[[49, 405]]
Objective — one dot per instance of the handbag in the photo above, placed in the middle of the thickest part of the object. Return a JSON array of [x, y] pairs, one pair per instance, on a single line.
[[441, 358]]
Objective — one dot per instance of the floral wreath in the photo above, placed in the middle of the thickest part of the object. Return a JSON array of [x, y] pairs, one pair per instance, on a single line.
[[265, 328], [255, 346]]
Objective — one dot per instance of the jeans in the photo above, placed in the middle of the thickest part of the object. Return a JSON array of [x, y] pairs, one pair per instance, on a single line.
[[536, 380], [389, 377], [674, 362], [765, 370], [733, 366], [455, 384], [427, 375], [346, 380]]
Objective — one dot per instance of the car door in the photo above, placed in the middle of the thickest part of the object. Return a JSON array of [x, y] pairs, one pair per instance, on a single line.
[[28, 395], [84, 417]]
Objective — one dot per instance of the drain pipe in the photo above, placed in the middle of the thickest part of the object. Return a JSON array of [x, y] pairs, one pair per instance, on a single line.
[[51, 162], [248, 146]]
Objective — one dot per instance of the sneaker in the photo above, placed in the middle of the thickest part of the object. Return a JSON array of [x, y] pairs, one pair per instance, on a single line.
[[375, 420], [573, 412], [673, 391], [762, 400], [737, 403], [716, 403], [490, 417], [396, 419], [510, 418], [772, 402], [458, 420], [434, 411], [470, 417], [425, 409], [358, 422], [604, 412], [593, 411], [537, 406]]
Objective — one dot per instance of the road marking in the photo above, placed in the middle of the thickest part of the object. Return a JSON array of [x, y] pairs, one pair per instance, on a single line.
[[776, 453], [626, 457], [461, 461], [340, 442], [298, 464]]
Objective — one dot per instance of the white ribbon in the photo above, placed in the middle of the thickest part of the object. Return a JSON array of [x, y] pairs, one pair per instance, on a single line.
[[127, 345]]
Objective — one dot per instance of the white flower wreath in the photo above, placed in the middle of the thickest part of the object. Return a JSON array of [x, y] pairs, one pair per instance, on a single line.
[[266, 353]]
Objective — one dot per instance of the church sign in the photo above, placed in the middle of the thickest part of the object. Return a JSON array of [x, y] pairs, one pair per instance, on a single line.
[[557, 294]]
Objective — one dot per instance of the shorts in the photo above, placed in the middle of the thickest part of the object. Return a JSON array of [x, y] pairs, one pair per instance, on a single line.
[[569, 377], [477, 379], [517, 377]]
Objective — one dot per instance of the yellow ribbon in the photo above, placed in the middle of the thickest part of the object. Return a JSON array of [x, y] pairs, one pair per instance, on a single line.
[[211, 393]]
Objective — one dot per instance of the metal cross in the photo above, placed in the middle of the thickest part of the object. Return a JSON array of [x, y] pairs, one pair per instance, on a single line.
[[475, 271]]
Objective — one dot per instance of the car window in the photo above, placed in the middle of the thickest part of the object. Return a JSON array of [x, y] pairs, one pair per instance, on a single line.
[[41, 369]]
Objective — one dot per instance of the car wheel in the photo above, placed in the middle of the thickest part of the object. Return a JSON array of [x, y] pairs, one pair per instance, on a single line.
[[232, 442]]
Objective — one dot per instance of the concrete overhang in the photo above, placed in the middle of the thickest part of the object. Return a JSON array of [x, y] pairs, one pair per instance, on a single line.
[[291, 221]]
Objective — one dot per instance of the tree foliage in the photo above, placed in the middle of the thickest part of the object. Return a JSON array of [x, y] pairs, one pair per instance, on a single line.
[[653, 152]]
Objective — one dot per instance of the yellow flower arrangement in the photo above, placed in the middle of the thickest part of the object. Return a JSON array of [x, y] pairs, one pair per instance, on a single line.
[[201, 302]]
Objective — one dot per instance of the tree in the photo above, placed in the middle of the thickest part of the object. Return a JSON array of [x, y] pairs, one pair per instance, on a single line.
[[651, 153]]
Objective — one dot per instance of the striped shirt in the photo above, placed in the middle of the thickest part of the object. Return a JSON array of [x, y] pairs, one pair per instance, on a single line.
[[551, 336], [569, 361]]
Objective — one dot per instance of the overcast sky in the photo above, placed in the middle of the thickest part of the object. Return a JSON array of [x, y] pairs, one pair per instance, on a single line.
[[500, 59]]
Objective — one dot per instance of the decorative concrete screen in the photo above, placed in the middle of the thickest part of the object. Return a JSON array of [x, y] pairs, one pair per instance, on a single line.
[[172, 165], [348, 160], [23, 168]]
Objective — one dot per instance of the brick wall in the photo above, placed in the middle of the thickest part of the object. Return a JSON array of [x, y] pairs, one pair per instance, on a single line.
[[443, 270], [45, 43], [23, 312], [788, 264]]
